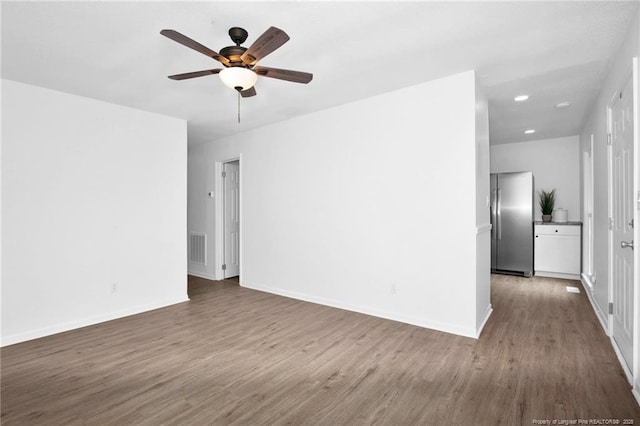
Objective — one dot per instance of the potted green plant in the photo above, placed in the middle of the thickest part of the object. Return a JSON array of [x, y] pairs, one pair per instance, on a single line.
[[547, 201]]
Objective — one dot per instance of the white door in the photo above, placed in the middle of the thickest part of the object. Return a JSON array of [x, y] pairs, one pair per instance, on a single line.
[[621, 229], [231, 179]]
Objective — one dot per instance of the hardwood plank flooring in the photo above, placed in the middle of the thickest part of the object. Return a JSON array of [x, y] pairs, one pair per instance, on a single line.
[[237, 356]]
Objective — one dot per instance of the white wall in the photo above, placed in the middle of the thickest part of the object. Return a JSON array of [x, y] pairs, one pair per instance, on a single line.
[[555, 163], [340, 205], [596, 125], [92, 194]]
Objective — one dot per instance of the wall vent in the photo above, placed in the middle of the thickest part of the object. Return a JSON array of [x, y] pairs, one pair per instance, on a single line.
[[198, 248]]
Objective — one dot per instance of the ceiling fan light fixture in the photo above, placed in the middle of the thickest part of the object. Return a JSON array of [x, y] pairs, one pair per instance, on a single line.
[[238, 78]]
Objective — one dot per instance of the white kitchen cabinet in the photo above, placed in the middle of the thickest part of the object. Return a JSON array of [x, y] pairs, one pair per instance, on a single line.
[[558, 249]]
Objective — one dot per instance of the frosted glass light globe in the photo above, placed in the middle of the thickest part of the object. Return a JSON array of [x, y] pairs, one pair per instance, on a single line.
[[238, 78]]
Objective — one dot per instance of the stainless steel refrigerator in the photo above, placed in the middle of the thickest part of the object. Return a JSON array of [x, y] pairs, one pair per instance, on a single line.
[[512, 223]]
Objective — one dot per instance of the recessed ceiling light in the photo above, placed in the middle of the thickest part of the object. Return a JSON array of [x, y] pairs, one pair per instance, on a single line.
[[528, 132], [521, 98], [563, 105]]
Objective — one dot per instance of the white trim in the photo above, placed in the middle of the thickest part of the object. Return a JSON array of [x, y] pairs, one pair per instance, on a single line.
[[560, 275], [205, 275], [587, 208], [240, 210], [72, 325], [610, 210], [483, 228], [219, 216], [218, 223], [604, 319], [605, 326], [434, 325], [487, 314], [586, 279], [636, 395], [623, 363], [635, 90]]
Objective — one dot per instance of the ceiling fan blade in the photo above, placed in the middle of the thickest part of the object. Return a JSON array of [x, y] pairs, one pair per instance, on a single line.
[[194, 74], [269, 41], [249, 92], [186, 41], [289, 75]]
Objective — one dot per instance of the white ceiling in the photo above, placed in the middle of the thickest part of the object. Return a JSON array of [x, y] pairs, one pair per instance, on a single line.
[[112, 51]]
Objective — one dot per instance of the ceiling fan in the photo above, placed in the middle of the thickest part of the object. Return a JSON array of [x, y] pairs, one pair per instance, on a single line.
[[240, 72]]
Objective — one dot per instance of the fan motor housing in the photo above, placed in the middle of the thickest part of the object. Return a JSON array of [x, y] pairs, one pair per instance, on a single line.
[[233, 53]]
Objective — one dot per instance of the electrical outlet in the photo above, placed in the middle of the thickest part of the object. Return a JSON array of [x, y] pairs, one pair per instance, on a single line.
[[114, 287]]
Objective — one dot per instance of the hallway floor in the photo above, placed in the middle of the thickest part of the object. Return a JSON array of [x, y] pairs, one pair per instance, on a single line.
[[237, 356]]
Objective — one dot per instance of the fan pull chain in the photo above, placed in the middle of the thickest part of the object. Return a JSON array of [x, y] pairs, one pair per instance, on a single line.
[[238, 107]]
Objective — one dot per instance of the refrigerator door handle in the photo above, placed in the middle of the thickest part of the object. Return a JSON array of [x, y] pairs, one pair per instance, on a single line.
[[498, 215], [494, 195]]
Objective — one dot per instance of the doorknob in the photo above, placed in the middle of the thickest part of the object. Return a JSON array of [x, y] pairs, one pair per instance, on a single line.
[[625, 244]]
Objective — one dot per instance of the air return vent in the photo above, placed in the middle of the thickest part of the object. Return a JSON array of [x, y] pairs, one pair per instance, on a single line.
[[198, 248]]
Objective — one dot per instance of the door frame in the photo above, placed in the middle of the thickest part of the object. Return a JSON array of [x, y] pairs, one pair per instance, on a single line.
[[588, 196], [633, 372], [628, 371], [219, 216], [610, 300], [635, 90]]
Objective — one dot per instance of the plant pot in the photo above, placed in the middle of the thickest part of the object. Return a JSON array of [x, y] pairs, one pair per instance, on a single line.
[[546, 218]]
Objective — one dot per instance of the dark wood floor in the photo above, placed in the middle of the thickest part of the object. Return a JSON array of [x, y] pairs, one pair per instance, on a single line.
[[234, 355]]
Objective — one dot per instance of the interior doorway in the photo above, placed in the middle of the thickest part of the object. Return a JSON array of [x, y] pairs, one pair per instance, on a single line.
[[231, 218]]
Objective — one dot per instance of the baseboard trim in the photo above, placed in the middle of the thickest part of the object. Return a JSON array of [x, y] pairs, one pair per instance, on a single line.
[[72, 325], [487, 314], [588, 288], [604, 322], [557, 275], [586, 280], [434, 325], [621, 360], [204, 275], [636, 395]]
